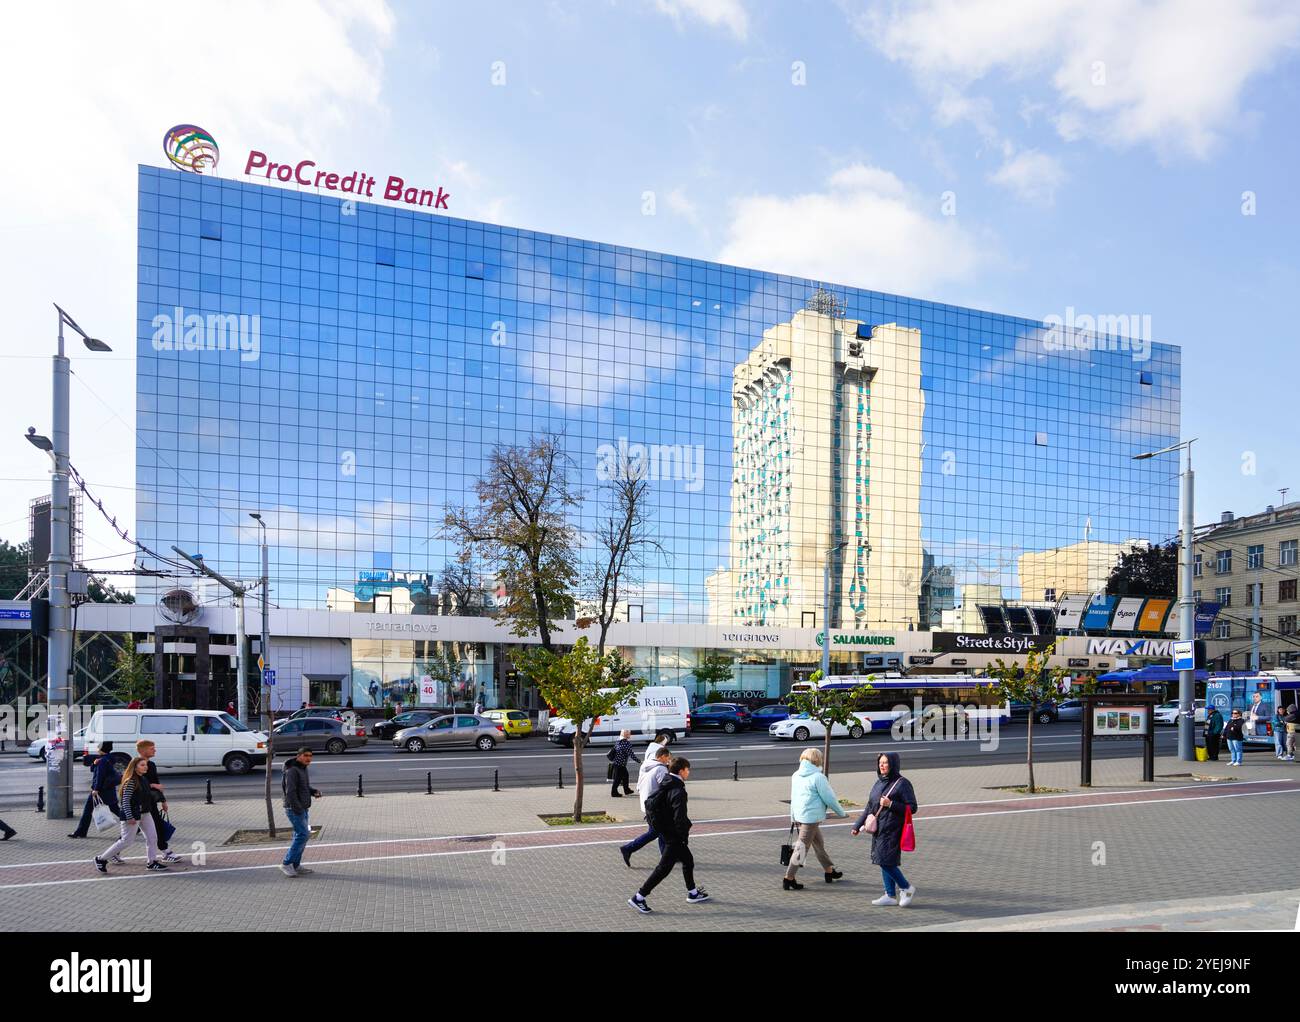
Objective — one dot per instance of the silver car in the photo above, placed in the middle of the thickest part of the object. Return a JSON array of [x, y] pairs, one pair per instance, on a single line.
[[451, 731]]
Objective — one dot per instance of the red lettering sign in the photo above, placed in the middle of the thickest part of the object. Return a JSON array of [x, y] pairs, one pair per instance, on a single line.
[[306, 173]]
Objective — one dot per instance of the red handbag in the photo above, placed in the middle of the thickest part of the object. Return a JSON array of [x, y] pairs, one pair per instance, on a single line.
[[908, 842]]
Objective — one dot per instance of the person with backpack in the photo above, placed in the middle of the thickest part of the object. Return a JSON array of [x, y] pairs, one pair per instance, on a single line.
[[104, 780], [667, 813], [651, 777], [1213, 732], [883, 819], [136, 797], [810, 797], [1234, 732], [298, 794], [618, 757]]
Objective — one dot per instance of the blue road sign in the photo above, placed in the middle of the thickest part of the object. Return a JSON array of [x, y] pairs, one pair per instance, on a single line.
[[268, 676], [1184, 655]]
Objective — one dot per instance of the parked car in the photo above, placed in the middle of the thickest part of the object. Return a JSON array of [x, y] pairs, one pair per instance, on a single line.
[[320, 734], [729, 717], [1071, 709], [411, 718], [450, 732], [37, 749], [803, 727], [316, 711], [1046, 713], [515, 722], [765, 716], [1167, 713]]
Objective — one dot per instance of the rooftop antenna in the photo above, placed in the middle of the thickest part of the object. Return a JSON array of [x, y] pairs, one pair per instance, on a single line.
[[825, 302], [1283, 490]]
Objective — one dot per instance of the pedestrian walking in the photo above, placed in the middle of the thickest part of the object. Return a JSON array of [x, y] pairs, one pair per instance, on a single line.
[[1233, 731], [649, 779], [135, 797], [298, 794], [231, 708], [667, 813], [887, 806], [618, 756], [810, 797], [147, 751], [1213, 732], [104, 780], [6, 831], [1279, 730], [1292, 722], [662, 741]]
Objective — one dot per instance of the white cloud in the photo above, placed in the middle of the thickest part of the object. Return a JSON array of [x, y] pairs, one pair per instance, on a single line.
[[585, 366], [1168, 73], [865, 229], [683, 206], [1032, 175], [728, 14]]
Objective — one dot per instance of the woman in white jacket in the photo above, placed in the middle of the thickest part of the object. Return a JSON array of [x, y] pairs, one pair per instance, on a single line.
[[810, 797]]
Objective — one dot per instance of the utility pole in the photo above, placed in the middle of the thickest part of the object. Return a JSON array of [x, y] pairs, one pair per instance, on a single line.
[[264, 663], [238, 590]]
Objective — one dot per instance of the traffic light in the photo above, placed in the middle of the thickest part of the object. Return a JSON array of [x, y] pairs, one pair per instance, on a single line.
[[40, 618]]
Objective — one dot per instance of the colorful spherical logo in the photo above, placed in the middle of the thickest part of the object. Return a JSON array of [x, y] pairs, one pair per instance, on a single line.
[[191, 148]]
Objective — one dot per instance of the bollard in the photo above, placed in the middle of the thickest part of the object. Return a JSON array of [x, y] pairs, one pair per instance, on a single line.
[[559, 777], [496, 780], [208, 801], [360, 792], [40, 799], [735, 770], [428, 782]]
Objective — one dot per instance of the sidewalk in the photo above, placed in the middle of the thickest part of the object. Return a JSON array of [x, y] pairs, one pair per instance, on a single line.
[[483, 860]]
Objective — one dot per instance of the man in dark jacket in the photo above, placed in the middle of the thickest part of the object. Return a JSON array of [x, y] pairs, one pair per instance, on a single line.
[[103, 784], [1292, 723], [298, 794], [147, 750], [1213, 732], [666, 813]]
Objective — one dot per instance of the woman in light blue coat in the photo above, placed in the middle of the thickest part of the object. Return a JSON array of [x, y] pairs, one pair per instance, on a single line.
[[810, 797]]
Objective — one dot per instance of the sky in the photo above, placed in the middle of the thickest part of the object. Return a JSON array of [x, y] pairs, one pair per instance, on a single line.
[[1100, 158]]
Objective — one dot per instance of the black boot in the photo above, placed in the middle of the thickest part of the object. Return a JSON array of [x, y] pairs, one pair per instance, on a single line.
[[790, 885], [834, 875], [9, 832]]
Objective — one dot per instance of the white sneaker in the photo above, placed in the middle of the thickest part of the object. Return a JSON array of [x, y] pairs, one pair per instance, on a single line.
[[905, 897], [288, 870], [885, 900], [171, 856]]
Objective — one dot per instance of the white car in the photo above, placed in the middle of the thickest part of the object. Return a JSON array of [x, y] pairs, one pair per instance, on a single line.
[[37, 749], [803, 728], [1167, 713]]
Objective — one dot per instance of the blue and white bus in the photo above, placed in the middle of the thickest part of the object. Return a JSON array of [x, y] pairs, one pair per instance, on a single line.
[[1228, 692], [893, 696]]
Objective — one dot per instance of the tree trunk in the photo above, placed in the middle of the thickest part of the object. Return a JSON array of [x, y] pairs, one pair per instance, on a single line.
[[270, 761], [1030, 748], [826, 752], [579, 741]]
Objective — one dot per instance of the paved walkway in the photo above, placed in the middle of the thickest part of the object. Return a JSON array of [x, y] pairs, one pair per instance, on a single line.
[[476, 860]]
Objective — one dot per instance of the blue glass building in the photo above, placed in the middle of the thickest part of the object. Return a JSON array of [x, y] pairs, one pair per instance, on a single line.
[[345, 368]]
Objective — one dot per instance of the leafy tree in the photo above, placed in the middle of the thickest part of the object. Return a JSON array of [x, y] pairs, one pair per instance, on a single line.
[[13, 568], [101, 591], [828, 707], [134, 678], [1035, 684], [1145, 571], [714, 670], [581, 685], [624, 539], [520, 527]]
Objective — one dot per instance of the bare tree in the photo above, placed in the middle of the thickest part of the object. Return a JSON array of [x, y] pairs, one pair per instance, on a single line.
[[624, 541], [522, 530], [460, 588]]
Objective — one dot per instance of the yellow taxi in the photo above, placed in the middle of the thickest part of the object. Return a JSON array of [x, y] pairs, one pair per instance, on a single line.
[[515, 722]]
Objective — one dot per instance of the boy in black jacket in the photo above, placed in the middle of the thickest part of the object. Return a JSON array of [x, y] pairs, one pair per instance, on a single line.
[[666, 813]]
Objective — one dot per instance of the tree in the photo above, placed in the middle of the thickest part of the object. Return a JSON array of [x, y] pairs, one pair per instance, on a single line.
[[581, 685], [13, 568], [713, 670], [134, 678], [1145, 571], [624, 538], [1035, 684], [101, 591], [828, 707], [520, 527], [460, 589]]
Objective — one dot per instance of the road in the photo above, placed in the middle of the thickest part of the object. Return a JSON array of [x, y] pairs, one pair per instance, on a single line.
[[534, 762]]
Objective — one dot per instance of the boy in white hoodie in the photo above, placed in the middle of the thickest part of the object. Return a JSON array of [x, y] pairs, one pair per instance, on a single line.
[[654, 768]]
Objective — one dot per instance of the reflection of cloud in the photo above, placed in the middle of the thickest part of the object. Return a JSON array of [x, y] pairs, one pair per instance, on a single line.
[[585, 365], [290, 529]]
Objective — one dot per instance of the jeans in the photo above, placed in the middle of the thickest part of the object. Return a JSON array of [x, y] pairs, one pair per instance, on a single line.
[[894, 879], [1279, 738], [645, 839], [109, 798], [675, 852], [301, 834], [127, 836], [1235, 746], [810, 836]]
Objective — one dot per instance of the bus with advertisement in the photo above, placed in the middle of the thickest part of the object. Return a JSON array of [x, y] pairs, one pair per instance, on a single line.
[[893, 696], [1239, 691]]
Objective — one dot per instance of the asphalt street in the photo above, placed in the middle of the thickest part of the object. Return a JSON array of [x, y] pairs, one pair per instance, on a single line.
[[535, 762]]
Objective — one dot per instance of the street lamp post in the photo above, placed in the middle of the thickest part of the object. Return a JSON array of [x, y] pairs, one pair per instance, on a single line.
[[1186, 602], [265, 659], [826, 610], [58, 781]]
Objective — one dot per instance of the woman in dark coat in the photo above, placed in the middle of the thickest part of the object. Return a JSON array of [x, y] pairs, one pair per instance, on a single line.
[[890, 798]]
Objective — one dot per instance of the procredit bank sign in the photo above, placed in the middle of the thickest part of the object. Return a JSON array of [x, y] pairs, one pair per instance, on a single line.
[[357, 184]]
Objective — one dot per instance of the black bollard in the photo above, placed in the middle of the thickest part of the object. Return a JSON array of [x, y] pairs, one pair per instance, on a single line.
[[559, 777], [735, 770], [208, 801], [428, 781], [496, 780], [360, 792], [40, 799]]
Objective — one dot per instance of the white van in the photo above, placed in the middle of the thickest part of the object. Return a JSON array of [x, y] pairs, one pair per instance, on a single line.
[[186, 739], [651, 711]]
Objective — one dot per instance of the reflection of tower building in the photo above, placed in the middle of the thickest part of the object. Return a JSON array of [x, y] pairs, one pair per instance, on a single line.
[[1048, 575], [826, 428]]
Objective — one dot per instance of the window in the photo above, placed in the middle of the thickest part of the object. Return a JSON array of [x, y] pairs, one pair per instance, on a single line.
[[158, 724], [1144, 378], [1223, 562], [1223, 596], [1286, 590], [467, 722], [1040, 439], [1222, 630], [204, 725], [385, 256], [210, 230], [293, 727], [1286, 553], [1196, 565], [1254, 594], [1286, 624], [1255, 556]]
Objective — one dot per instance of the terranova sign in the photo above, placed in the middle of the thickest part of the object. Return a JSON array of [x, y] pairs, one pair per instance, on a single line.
[[852, 639]]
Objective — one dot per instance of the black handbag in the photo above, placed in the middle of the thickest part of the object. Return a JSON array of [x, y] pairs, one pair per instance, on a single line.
[[609, 772], [787, 850]]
